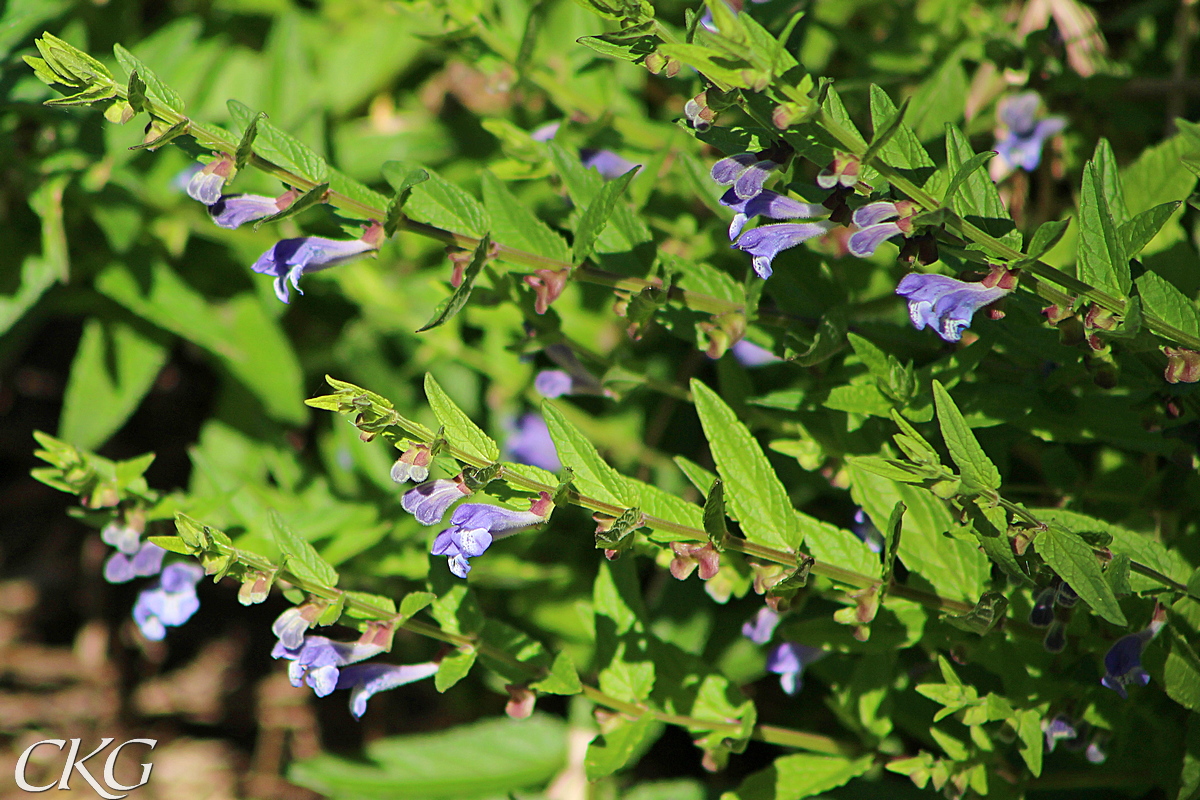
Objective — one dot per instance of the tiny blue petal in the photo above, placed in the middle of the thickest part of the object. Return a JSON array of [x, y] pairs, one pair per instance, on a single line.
[[428, 501]]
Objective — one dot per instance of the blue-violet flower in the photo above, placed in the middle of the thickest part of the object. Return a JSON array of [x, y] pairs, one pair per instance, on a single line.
[[768, 241], [477, 525], [234, 210], [788, 661], [206, 184], [1123, 661], [947, 304], [318, 660], [121, 568], [288, 259], [1021, 134], [606, 162], [760, 629], [126, 538], [749, 354], [529, 442], [877, 222], [171, 603], [746, 172], [366, 680], [771, 205], [428, 501]]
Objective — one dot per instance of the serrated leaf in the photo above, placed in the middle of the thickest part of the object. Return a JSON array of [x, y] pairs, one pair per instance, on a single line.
[[978, 199], [974, 466], [280, 147], [457, 301], [1110, 181], [460, 430], [377, 606], [1137, 232], [300, 557], [155, 87], [625, 230], [798, 776], [596, 215], [1029, 730], [513, 224], [1161, 298], [833, 545], [755, 492], [1076, 563], [245, 148], [894, 140], [441, 203], [1100, 258], [890, 468], [593, 475], [714, 513], [1181, 673]]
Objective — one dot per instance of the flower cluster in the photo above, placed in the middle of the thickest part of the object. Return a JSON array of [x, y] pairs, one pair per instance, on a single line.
[[325, 665], [1123, 661], [1021, 134], [170, 603]]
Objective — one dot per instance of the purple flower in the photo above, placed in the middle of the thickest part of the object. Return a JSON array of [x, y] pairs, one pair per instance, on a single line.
[[768, 204], [288, 259], [1123, 661], [748, 354], [875, 225], [1020, 142], [233, 210], [551, 383], [475, 526], [206, 184], [768, 241], [864, 529], [318, 660], [428, 501], [788, 661], [606, 162], [125, 538], [1058, 728], [1042, 613], [290, 626], [171, 603], [745, 172], [367, 680], [530, 443], [760, 629], [945, 304], [121, 568], [545, 133]]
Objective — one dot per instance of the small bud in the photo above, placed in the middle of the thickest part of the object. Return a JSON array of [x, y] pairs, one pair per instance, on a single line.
[[255, 588], [841, 172], [1183, 365], [1056, 314], [1056, 637], [689, 555], [655, 62], [1001, 277], [788, 114], [1098, 318], [413, 464], [548, 285], [521, 700]]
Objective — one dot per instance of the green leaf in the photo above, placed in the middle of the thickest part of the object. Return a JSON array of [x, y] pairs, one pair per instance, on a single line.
[[614, 748], [441, 203], [983, 617], [173, 544], [1045, 237], [625, 230], [1189, 777], [893, 140], [975, 468], [700, 477], [166, 137], [1029, 730], [1100, 258], [891, 541], [755, 492], [798, 776], [313, 197], [593, 475], [1110, 181], [834, 107], [628, 44], [562, 678], [457, 301], [113, 369], [890, 468], [1181, 673], [245, 148], [513, 224], [833, 545], [1137, 232], [454, 667], [506, 755], [155, 87], [279, 147], [378, 606], [300, 557], [965, 171], [596, 215], [1161, 298], [1156, 177], [714, 513], [1076, 563], [1139, 547], [460, 430], [978, 200]]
